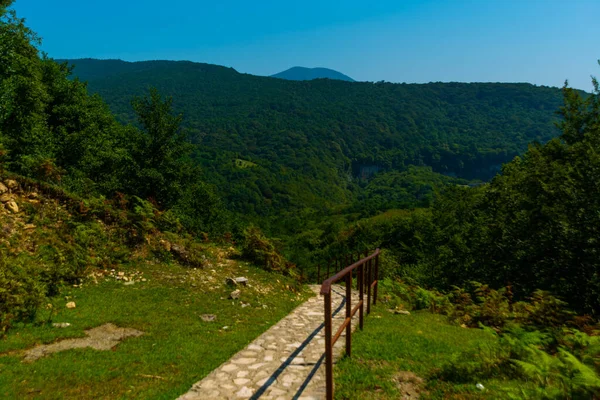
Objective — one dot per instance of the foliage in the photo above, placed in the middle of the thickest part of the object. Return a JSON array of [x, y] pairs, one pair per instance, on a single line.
[[21, 293], [315, 144], [262, 251], [534, 226]]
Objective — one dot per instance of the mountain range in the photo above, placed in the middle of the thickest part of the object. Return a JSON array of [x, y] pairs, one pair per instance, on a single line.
[[308, 74]]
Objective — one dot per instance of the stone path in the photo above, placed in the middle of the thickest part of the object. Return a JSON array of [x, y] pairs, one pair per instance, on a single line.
[[286, 362]]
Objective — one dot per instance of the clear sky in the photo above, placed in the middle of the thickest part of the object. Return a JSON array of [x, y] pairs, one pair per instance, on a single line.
[[537, 41]]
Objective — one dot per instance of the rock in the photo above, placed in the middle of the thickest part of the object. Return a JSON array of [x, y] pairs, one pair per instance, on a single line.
[[230, 281], [29, 226], [3, 188], [480, 386], [12, 206], [121, 273], [208, 317], [32, 195], [241, 280], [235, 294], [71, 304], [129, 283], [180, 252], [403, 312], [11, 184], [61, 325], [5, 198]]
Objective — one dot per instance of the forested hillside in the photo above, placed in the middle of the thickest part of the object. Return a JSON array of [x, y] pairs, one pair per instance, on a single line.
[[309, 143]]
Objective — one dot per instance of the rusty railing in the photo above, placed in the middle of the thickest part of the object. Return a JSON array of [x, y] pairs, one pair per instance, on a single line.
[[369, 266]]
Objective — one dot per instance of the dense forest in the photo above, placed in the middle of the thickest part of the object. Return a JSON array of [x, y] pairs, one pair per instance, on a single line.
[[314, 144]]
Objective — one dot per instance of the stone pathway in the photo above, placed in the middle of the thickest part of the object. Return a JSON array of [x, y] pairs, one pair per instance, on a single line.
[[286, 362]]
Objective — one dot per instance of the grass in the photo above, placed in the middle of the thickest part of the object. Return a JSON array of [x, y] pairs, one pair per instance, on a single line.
[[421, 343], [177, 348]]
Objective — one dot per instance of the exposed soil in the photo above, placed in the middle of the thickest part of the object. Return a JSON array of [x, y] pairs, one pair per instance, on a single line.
[[409, 384], [103, 337]]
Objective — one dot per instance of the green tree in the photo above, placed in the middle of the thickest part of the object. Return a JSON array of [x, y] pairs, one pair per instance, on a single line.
[[161, 151]]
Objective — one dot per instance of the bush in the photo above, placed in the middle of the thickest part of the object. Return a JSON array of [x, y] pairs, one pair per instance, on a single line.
[[21, 292], [262, 251]]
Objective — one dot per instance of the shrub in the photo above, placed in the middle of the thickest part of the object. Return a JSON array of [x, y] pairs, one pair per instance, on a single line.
[[21, 292], [262, 251]]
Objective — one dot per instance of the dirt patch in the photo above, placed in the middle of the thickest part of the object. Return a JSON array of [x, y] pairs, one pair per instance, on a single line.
[[409, 384], [103, 337]]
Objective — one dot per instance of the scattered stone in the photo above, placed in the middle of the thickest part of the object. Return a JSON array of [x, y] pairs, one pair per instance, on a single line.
[[5, 198], [71, 304], [241, 280], [11, 184], [32, 195], [235, 294], [12, 206], [29, 226], [402, 312], [121, 273], [208, 317], [61, 324], [152, 376], [480, 386], [128, 283], [3, 188]]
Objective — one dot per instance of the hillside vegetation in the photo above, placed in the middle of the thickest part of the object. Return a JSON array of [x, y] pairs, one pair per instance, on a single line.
[[313, 141]]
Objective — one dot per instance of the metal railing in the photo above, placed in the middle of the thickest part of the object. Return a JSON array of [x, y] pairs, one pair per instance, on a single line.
[[367, 272]]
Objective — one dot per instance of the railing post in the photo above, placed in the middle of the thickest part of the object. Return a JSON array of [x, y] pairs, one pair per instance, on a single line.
[[349, 314], [361, 292], [328, 348], [369, 281], [376, 279]]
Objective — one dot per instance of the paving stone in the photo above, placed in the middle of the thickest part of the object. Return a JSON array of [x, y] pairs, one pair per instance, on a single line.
[[279, 361]]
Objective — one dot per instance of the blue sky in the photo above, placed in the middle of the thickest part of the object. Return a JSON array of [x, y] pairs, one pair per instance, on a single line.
[[537, 41]]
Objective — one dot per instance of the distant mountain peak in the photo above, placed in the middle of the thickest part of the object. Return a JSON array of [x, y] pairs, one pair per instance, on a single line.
[[308, 74]]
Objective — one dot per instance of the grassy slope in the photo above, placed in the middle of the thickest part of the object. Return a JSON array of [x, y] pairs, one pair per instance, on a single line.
[[165, 302], [421, 342], [177, 345]]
